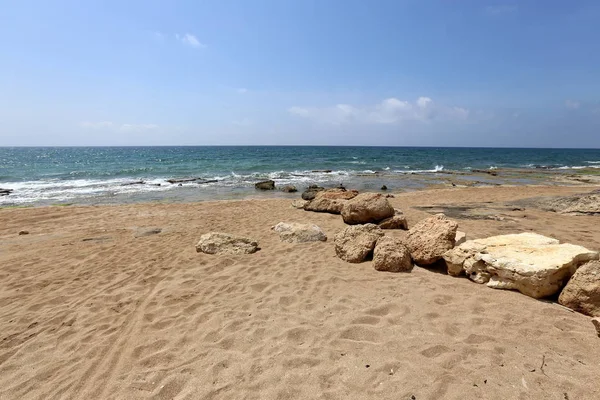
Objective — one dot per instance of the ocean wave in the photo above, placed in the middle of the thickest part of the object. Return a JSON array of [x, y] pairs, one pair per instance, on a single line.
[[438, 168], [593, 162]]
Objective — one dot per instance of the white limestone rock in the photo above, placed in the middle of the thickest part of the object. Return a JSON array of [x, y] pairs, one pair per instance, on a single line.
[[535, 265]]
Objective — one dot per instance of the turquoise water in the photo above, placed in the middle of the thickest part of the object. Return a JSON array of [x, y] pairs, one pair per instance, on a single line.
[[100, 174]]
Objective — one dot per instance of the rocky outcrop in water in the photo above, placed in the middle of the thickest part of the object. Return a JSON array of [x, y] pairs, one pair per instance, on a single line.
[[265, 185]]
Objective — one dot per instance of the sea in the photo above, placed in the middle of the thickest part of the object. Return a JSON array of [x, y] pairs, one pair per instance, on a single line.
[[113, 175]]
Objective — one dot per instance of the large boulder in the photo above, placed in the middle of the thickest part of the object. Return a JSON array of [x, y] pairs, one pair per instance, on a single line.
[[311, 192], [367, 208], [330, 201], [299, 233], [332, 206], [265, 185], [391, 255], [355, 243], [224, 243], [430, 238], [535, 265], [582, 292]]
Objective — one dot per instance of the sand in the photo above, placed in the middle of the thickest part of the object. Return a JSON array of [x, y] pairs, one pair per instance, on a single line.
[[90, 311]]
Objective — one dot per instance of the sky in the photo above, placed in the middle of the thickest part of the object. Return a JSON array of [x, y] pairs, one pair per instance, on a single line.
[[300, 72]]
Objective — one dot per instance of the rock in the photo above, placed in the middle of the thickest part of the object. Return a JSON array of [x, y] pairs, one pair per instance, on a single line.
[[323, 171], [299, 203], [289, 189], [332, 206], [398, 221], [337, 193], [224, 243], [384, 187], [182, 180], [366, 208], [133, 183], [355, 243], [265, 185], [430, 238], [582, 292], [5, 192], [147, 232], [311, 192], [330, 201], [391, 255], [533, 264], [299, 233], [21, 233], [460, 238], [596, 323]]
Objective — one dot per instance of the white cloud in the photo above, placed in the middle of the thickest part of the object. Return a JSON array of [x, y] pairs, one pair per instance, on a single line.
[[572, 104], [387, 112], [96, 125], [190, 40]]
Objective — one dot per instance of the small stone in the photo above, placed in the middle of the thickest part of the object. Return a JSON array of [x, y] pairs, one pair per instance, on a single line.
[[384, 187], [23, 233], [289, 189], [460, 238]]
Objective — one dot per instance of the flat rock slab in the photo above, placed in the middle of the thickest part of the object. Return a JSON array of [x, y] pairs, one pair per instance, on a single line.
[[535, 265], [299, 233], [224, 243]]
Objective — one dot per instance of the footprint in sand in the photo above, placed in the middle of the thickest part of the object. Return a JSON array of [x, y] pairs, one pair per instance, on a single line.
[[435, 351]]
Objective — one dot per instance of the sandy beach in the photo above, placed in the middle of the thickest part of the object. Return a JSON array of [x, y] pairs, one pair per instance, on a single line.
[[91, 307]]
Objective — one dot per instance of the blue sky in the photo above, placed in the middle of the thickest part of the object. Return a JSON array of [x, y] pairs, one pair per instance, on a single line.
[[347, 72]]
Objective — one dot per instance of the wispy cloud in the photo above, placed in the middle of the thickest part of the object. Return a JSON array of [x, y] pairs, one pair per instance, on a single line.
[[500, 9], [107, 125], [572, 104], [387, 112], [190, 40]]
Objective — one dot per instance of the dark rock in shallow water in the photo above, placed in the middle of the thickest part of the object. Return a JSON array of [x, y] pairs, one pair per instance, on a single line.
[[265, 185], [182, 180], [289, 189], [384, 187], [5, 192], [326, 171], [133, 183], [311, 192]]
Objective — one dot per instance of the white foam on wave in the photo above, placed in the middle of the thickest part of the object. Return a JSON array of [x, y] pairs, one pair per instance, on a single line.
[[438, 168], [593, 162]]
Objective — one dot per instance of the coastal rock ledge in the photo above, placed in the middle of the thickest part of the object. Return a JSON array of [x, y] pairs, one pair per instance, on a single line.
[[535, 265], [224, 243]]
